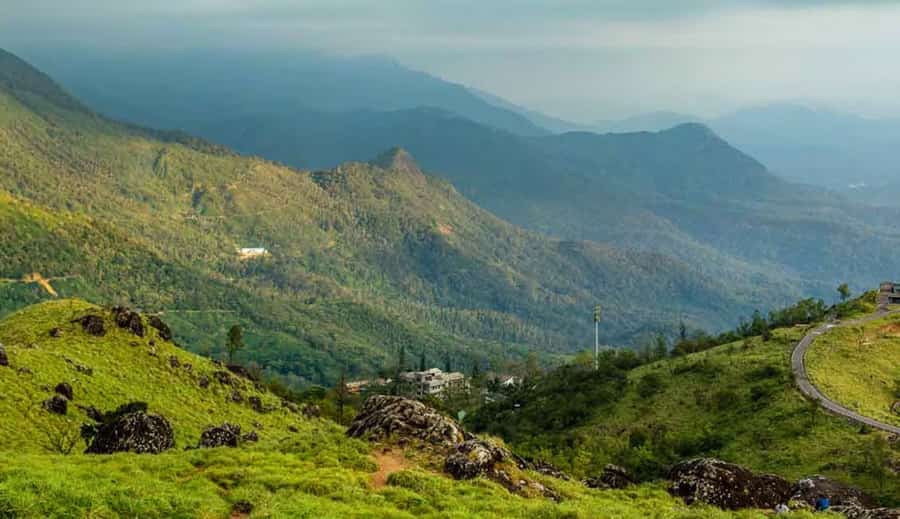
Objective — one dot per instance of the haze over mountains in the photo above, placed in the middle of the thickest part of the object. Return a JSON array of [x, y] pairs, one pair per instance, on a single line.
[[684, 192]]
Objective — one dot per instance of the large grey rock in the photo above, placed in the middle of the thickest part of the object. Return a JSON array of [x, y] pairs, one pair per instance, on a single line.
[[383, 417], [138, 432], [473, 458], [809, 489], [726, 485]]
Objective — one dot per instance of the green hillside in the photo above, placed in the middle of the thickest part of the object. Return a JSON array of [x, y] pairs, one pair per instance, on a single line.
[[362, 259], [299, 467], [736, 402], [859, 367]]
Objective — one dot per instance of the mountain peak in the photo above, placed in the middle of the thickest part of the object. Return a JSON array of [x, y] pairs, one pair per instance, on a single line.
[[397, 159]]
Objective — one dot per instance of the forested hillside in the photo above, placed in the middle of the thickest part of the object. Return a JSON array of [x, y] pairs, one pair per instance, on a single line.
[[361, 260]]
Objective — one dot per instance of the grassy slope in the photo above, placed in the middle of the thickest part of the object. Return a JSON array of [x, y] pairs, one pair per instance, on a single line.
[[315, 472], [859, 367], [732, 402], [363, 259]]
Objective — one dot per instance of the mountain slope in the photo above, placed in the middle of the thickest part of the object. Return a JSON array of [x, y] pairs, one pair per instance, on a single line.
[[361, 260]]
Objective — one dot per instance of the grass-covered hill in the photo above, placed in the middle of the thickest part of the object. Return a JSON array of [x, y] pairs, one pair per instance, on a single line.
[[363, 258], [737, 402], [299, 467], [858, 366]]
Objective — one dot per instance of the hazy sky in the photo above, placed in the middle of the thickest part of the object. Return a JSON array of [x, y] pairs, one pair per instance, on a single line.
[[581, 59]]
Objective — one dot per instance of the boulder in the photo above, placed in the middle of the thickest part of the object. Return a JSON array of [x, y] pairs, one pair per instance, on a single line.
[[857, 512], [612, 476], [223, 377], [225, 435], [203, 381], [726, 485], [92, 325], [251, 436], [547, 469], [474, 458], [138, 432], [257, 404], [129, 320], [56, 333], [165, 333], [311, 411], [242, 372], [383, 417], [174, 362], [236, 396], [809, 489], [56, 405], [4, 358], [64, 389]]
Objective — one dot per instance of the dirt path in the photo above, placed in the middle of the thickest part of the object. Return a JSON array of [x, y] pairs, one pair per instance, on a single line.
[[798, 366], [388, 462]]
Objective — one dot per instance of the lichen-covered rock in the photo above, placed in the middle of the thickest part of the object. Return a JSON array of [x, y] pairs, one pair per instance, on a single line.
[[4, 358], [138, 432], [225, 435], [165, 333], [726, 485], [383, 417], [613, 476], [92, 325], [56, 405], [473, 458], [809, 489], [858, 512], [64, 389], [129, 320]]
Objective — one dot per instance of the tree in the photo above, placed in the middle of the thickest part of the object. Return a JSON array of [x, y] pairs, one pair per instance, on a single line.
[[662, 347], [682, 331], [844, 291], [422, 365], [235, 342], [448, 362]]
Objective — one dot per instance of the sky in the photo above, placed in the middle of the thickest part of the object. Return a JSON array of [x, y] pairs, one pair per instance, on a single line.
[[585, 60]]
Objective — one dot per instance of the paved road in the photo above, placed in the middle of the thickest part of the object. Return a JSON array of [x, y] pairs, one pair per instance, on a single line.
[[800, 376]]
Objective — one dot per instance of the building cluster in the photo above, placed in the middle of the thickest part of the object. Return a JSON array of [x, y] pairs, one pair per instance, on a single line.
[[889, 293], [417, 384]]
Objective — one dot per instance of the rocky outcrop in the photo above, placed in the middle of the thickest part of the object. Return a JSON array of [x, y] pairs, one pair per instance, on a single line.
[[311, 411], [807, 490], [92, 325], [165, 333], [223, 377], [857, 512], [473, 458], [64, 389], [225, 435], [242, 372], [129, 320], [56, 405], [384, 417], [612, 476], [4, 358], [138, 432], [203, 381], [56, 333], [256, 404], [726, 485]]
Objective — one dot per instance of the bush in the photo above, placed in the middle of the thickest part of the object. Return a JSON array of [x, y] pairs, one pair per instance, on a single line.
[[650, 385]]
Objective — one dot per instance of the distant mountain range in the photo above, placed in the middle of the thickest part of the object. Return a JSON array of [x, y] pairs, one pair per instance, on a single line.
[[684, 192], [361, 259]]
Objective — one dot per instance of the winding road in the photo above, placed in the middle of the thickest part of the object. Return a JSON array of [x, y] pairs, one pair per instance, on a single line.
[[806, 387]]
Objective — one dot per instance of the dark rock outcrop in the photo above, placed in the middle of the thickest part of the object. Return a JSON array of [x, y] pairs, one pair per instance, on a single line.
[[174, 362], [165, 333], [256, 404], [547, 469], [857, 512], [56, 405], [251, 436], [809, 489], [4, 358], [56, 333], [242, 372], [225, 435], [473, 458], [138, 432], [92, 325], [64, 389], [311, 411], [236, 396], [203, 381], [241, 509], [223, 377], [726, 485], [613, 476], [129, 320], [383, 417]]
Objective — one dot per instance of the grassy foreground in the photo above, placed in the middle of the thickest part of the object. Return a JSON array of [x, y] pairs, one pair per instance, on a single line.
[[859, 367], [299, 468]]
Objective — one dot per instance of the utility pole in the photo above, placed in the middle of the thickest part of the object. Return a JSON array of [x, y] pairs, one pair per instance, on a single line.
[[597, 338]]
